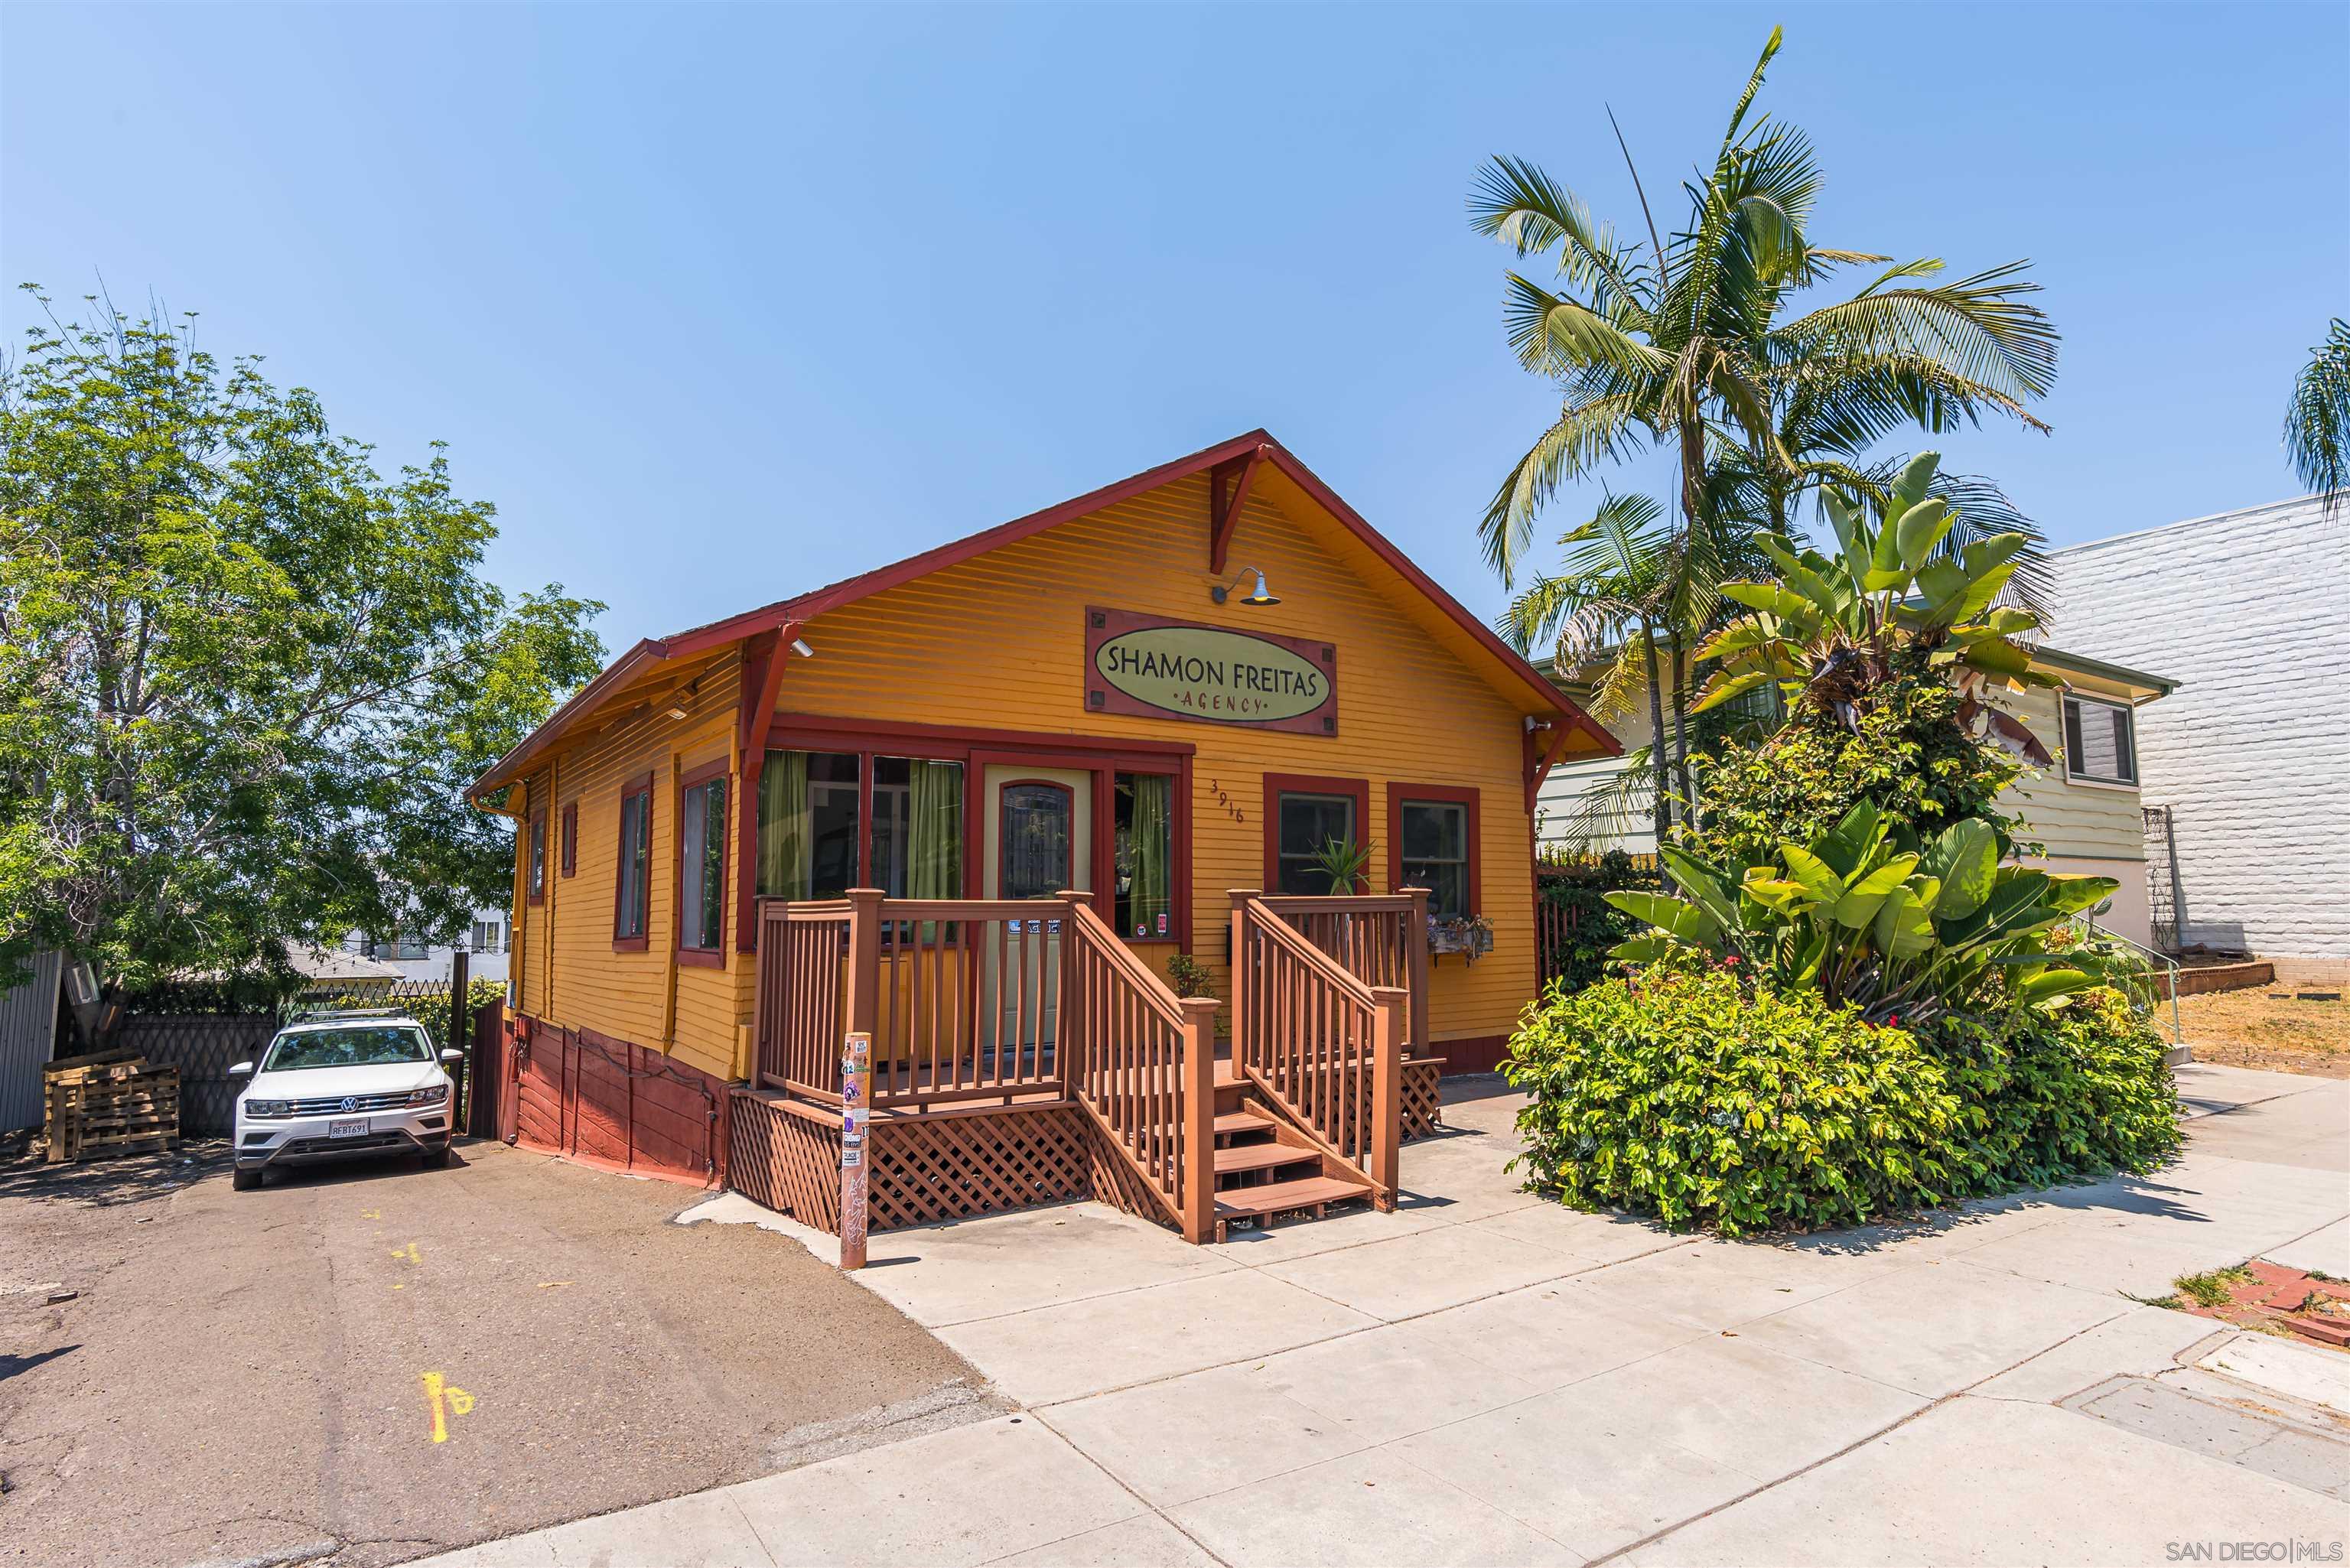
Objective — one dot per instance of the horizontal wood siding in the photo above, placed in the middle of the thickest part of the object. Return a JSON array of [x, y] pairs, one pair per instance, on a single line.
[[573, 977], [999, 642], [2074, 820]]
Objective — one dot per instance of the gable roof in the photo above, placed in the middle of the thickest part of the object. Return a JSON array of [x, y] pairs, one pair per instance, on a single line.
[[645, 655]]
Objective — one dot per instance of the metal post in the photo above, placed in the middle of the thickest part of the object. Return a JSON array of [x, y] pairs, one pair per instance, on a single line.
[[855, 1107], [460, 1039]]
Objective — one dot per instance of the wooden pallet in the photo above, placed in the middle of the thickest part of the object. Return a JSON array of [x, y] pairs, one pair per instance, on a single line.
[[112, 1103]]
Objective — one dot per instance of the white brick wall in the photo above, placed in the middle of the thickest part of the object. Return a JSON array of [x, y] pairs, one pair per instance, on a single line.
[[2250, 611]]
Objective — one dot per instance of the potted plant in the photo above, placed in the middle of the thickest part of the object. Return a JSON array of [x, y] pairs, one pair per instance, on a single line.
[[1344, 862]]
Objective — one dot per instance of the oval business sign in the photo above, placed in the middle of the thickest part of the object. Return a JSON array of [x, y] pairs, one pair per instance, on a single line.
[[1139, 664]]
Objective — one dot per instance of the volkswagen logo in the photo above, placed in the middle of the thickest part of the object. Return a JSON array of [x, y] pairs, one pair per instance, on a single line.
[[350, 1104]]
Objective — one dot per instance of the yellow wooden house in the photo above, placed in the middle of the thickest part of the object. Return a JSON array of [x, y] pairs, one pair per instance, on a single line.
[[998, 806]]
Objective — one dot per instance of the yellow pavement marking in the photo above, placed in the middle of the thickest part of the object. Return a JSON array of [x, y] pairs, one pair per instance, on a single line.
[[447, 1400], [552, 1284], [408, 1252], [371, 1213]]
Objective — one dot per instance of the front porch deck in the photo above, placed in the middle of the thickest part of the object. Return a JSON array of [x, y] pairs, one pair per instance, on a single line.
[[1022, 1056]]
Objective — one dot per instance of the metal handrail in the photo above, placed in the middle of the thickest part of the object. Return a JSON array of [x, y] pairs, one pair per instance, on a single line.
[[2087, 920]]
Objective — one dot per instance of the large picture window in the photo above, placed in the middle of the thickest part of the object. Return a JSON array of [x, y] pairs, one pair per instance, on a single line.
[[1143, 822], [2099, 745], [632, 887], [702, 864], [815, 842], [1435, 829]]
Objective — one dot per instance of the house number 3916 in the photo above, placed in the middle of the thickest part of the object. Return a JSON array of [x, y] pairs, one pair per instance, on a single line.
[[1217, 789]]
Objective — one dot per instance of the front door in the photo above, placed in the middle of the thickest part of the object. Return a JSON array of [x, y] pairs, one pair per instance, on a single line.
[[1039, 841]]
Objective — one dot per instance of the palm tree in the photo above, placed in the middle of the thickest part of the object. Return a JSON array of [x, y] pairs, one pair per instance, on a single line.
[[2317, 425], [1683, 348]]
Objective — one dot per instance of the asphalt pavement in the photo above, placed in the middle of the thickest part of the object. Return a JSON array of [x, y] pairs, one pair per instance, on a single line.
[[362, 1365]]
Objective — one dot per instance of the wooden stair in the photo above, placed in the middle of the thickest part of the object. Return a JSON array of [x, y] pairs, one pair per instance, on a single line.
[[1265, 1169]]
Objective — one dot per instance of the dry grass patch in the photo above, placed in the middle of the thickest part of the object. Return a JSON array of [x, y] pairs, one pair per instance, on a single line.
[[2269, 1028]]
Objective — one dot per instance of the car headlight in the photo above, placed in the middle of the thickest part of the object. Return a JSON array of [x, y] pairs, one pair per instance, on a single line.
[[432, 1096], [269, 1109]]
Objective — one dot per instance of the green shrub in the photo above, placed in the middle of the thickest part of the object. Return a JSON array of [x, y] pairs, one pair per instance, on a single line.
[[1907, 755], [1684, 1096], [2052, 1095]]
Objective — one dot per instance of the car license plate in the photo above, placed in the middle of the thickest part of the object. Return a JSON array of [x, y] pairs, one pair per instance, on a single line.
[[356, 1127]]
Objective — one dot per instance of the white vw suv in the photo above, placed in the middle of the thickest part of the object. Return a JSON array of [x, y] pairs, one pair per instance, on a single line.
[[341, 1087]]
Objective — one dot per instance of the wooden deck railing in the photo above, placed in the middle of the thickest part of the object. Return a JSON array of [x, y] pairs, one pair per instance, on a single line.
[[1142, 1063], [966, 996], [800, 1009], [1323, 1045], [1011, 1000], [1381, 939]]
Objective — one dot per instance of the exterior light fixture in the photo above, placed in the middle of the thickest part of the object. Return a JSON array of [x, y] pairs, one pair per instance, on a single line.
[[676, 710], [1259, 595], [800, 647]]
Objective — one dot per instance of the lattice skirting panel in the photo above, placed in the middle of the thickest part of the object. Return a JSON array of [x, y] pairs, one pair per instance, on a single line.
[[925, 1169], [1422, 1107], [784, 1158], [928, 1168]]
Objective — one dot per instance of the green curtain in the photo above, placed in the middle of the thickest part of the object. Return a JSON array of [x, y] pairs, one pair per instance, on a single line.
[[934, 831], [1154, 851], [786, 838]]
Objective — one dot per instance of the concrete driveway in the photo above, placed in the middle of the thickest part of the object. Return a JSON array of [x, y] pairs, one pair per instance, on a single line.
[[362, 1365], [1480, 1378]]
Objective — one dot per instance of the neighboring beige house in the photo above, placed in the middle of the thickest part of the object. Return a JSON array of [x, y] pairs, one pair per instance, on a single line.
[[2085, 809]]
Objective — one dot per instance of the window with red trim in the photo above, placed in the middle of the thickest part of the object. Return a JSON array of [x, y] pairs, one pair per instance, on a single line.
[[702, 864], [632, 883], [538, 874], [1433, 831], [571, 838], [1304, 817]]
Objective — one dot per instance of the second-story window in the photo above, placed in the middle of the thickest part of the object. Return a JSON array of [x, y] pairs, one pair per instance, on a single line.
[[2099, 742]]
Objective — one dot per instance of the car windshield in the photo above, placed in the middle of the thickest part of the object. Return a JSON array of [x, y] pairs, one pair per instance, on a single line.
[[377, 1046]]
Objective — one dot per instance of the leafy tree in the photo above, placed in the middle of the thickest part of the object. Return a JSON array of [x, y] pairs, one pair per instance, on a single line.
[[2317, 425], [244, 678]]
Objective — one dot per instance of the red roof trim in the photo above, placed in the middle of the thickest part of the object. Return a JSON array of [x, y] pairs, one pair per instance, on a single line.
[[719, 633]]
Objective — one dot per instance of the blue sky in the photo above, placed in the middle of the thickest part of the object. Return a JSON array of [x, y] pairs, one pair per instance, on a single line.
[[717, 303]]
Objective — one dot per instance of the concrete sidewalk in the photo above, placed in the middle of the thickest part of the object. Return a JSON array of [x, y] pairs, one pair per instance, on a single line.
[[1482, 1377]]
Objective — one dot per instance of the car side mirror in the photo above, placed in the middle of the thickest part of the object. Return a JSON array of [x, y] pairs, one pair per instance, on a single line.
[[452, 1055], [241, 1070]]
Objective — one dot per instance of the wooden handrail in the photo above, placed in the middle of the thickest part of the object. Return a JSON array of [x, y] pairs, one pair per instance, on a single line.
[[1140, 1062], [1381, 939], [1330, 969], [1326, 1047]]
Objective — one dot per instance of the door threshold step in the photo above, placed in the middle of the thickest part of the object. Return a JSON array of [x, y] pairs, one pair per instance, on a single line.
[[1232, 1124], [1280, 1197], [1262, 1156]]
